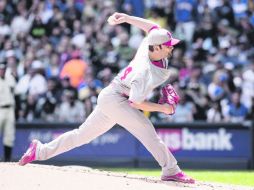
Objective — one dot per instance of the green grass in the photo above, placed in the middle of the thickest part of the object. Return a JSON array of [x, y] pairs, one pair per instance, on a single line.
[[229, 177]]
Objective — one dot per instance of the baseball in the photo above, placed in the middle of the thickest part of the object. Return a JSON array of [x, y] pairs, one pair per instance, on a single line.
[[111, 20]]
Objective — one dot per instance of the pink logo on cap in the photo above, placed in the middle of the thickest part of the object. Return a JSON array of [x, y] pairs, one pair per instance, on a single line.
[[172, 41], [169, 35], [168, 43]]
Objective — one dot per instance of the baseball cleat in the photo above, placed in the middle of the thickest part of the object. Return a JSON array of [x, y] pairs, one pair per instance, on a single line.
[[179, 177], [29, 155]]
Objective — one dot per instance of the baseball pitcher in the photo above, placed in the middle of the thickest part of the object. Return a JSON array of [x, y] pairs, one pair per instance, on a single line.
[[122, 100]]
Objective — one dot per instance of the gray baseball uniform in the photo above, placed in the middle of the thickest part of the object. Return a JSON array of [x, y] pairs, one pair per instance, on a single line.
[[7, 116], [133, 83]]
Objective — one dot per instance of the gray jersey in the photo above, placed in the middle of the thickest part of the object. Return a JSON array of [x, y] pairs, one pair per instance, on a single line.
[[6, 86], [140, 77]]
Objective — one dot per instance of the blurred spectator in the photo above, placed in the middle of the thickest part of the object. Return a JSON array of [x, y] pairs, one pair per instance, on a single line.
[[74, 69], [185, 68], [236, 111], [184, 111], [136, 38], [71, 12], [217, 89], [90, 87], [38, 29], [205, 31], [229, 71], [6, 11], [106, 76], [214, 113], [186, 16], [110, 58], [89, 105], [33, 83], [251, 112], [126, 53], [66, 84], [4, 27], [248, 86], [70, 110], [196, 92], [195, 95], [134, 7], [247, 31], [79, 37], [28, 111], [22, 22], [240, 8], [225, 11], [47, 102], [53, 68], [12, 61], [155, 16]]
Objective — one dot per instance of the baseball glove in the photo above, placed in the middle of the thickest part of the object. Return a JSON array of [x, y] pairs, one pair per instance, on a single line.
[[169, 96]]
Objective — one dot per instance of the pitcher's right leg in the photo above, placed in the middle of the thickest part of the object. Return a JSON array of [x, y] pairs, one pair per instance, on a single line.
[[95, 125]]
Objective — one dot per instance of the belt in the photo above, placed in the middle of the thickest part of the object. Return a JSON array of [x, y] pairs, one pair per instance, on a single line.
[[125, 95], [6, 106]]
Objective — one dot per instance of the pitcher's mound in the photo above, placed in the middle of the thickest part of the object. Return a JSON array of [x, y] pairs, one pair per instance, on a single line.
[[43, 177]]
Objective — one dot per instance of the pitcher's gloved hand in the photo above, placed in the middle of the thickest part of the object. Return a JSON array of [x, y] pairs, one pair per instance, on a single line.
[[169, 96]]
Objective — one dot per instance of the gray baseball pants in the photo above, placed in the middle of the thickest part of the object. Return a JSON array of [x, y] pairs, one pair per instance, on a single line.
[[7, 126], [113, 108]]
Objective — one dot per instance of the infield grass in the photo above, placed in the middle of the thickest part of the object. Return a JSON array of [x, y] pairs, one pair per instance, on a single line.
[[229, 177]]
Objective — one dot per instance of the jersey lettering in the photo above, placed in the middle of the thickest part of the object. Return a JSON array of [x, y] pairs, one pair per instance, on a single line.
[[126, 72]]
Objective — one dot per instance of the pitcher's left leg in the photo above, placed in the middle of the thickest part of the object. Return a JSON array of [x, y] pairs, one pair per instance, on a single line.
[[141, 127]]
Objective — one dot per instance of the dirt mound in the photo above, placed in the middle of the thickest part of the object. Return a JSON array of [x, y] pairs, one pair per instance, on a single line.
[[44, 177]]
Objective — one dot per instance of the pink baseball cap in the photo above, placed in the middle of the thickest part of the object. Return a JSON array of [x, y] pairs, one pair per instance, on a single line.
[[160, 36]]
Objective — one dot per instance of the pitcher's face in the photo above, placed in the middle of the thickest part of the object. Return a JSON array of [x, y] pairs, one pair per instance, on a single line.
[[168, 50], [165, 51]]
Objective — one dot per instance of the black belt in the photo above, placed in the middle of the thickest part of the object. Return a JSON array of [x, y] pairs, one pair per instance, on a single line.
[[6, 106]]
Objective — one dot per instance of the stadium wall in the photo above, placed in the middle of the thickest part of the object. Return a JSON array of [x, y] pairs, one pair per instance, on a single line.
[[197, 145]]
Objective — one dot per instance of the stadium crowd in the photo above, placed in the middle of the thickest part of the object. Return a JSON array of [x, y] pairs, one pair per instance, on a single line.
[[61, 53]]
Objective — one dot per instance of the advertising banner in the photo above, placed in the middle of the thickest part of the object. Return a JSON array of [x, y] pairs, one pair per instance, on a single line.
[[185, 142], [206, 142], [115, 143]]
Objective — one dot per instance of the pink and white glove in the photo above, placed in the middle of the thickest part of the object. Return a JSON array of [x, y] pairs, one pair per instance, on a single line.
[[169, 96]]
